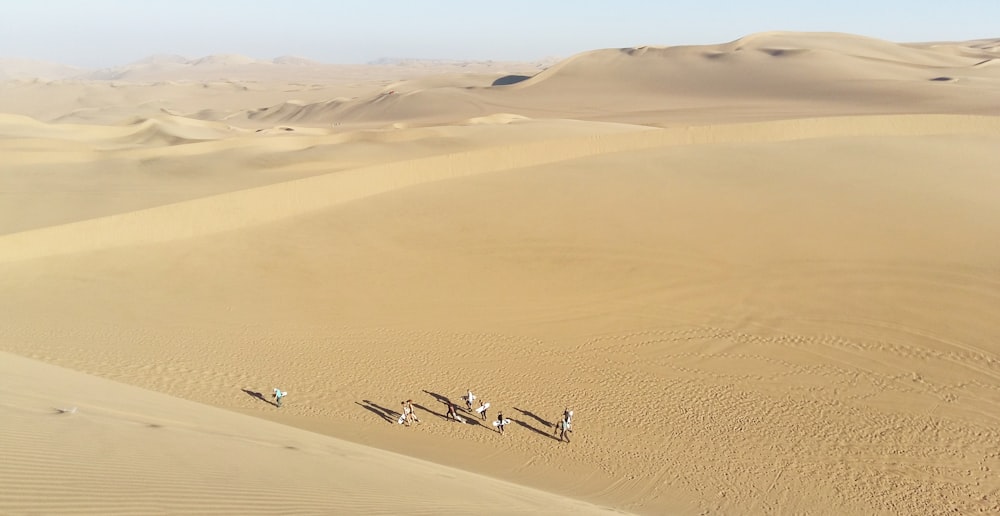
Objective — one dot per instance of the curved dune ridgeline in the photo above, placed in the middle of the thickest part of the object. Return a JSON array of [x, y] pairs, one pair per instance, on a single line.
[[260, 205]]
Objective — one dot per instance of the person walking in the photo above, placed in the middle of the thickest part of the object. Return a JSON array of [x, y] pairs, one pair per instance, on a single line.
[[500, 422], [565, 426], [404, 414], [411, 412], [483, 408], [277, 395], [469, 398], [453, 412]]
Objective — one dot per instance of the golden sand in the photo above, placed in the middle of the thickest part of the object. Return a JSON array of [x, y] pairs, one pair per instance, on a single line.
[[763, 274]]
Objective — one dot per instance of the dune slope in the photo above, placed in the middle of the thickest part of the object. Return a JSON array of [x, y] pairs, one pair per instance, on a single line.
[[822, 304], [78, 444]]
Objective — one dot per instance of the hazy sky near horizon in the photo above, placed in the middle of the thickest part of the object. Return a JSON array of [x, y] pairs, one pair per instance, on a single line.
[[100, 33]]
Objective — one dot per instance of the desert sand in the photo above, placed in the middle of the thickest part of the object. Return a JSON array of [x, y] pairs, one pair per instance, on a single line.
[[764, 274]]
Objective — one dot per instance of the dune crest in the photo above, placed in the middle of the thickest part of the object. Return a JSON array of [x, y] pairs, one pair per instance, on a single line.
[[193, 218]]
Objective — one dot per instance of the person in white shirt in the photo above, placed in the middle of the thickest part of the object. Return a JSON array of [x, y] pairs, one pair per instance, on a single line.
[[564, 426]]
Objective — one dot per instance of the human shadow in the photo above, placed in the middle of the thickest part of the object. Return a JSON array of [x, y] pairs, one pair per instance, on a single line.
[[507, 80], [444, 401], [533, 429], [470, 420], [440, 397], [387, 414], [534, 416], [254, 394], [425, 409]]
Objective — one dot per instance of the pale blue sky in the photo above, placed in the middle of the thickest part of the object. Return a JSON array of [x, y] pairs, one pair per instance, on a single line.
[[96, 33]]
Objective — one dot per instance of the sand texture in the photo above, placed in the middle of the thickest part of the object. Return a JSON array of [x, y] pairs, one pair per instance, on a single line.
[[764, 274]]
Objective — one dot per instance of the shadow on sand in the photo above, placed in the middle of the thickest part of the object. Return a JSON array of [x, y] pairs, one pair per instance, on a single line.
[[440, 397], [468, 418], [507, 80], [425, 409], [254, 394], [532, 415], [392, 416], [533, 429], [387, 414]]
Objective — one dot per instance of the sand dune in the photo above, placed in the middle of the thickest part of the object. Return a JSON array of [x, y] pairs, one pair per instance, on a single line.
[[24, 69], [216, 91], [763, 273], [116, 167], [173, 130], [162, 129], [293, 69], [74, 443], [777, 69], [766, 74], [289, 199], [819, 344]]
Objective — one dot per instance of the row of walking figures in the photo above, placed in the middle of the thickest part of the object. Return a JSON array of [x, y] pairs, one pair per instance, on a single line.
[[408, 416]]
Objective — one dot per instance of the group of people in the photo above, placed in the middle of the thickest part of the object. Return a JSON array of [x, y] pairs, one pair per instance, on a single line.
[[481, 410], [562, 428], [407, 415]]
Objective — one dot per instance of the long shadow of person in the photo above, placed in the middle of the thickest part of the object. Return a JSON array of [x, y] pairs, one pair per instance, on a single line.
[[533, 429], [387, 414], [446, 400], [425, 409], [254, 394], [440, 397], [534, 416]]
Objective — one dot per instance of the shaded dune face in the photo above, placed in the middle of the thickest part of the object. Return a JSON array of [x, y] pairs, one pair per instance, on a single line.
[[763, 275]]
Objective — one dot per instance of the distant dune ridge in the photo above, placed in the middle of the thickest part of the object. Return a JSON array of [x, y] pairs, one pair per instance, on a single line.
[[762, 273], [761, 74], [166, 66]]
